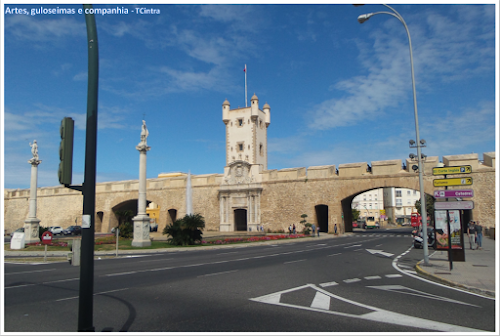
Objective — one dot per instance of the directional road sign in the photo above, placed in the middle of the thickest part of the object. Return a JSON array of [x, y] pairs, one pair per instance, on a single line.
[[453, 182], [458, 205], [451, 170], [453, 193]]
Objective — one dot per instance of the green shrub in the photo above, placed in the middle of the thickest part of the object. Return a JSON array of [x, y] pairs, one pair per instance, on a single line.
[[185, 231], [41, 230], [126, 230]]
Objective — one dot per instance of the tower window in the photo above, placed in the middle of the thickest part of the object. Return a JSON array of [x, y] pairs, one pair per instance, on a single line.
[[261, 150], [240, 147], [240, 122]]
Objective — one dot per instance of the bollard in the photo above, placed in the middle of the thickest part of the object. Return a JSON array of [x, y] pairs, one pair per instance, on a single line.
[[76, 252]]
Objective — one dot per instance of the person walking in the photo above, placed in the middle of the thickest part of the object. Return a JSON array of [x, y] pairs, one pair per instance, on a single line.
[[290, 230], [479, 236], [294, 229], [471, 233], [314, 230], [318, 231]]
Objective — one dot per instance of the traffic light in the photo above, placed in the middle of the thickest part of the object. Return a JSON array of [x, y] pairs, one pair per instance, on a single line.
[[66, 151]]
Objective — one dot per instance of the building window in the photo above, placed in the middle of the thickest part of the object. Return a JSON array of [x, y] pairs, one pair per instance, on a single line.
[[408, 192], [240, 146], [240, 122], [399, 202], [261, 150], [398, 193]]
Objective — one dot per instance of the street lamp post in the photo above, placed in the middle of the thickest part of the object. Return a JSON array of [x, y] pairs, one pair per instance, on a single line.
[[362, 18]]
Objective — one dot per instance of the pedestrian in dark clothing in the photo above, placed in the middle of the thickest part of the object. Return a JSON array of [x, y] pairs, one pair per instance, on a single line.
[[471, 233], [479, 236], [294, 230]]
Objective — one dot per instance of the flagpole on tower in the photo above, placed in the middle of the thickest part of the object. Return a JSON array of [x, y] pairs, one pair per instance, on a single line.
[[246, 100]]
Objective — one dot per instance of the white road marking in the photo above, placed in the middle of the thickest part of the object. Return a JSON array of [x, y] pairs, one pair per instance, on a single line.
[[18, 286], [289, 262], [352, 246], [387, 254], [373, 277], [122, 273], [328, 284], [411, 291], [76, 297], [218, 273], [331, 255], [142, 261], [63, 280], [352, 280], [321, 301], [416, 276], [393, 276], [227, 253], [377, 314]]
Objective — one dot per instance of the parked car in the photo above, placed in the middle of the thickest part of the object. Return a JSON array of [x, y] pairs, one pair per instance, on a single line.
[[56, 230], [73, 230], [354, 224]]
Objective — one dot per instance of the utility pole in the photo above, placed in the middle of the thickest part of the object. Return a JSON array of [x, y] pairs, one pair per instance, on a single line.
[[86, 294]]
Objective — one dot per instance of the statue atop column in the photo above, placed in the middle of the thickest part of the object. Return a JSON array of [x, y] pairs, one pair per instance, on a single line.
[[34, 152], [143, 145]]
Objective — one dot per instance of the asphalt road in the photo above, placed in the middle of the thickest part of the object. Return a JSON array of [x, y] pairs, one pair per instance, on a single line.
[[361, 283]]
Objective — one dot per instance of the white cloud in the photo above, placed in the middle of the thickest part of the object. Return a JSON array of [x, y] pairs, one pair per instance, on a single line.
[[24, 27], [444, 50]]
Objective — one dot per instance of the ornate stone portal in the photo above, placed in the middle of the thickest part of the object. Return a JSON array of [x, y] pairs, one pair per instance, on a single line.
[[239, 197]]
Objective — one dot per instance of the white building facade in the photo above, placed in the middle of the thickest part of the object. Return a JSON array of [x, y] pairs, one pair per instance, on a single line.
[[399, 203]]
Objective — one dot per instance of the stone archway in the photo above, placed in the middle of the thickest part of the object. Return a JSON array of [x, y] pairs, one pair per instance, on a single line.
[[321, 211], [240, 219], [172, 216]]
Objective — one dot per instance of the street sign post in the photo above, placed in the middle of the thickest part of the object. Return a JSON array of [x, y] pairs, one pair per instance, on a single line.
[[453, 182], [453, 193], [457, 205], [46, 239], [451, 170]]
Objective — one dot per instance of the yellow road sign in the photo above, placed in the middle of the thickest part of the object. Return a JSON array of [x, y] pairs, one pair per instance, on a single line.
[[452, 170], [453, 182]]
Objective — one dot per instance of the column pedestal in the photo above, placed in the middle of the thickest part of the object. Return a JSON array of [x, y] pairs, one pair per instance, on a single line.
[[31, 226], [141, 231]]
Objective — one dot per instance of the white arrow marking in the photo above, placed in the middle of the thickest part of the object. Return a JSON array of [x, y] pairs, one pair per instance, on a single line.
[[387, 254]]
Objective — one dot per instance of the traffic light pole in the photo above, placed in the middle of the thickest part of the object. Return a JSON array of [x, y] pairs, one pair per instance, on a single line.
[[85, 307]]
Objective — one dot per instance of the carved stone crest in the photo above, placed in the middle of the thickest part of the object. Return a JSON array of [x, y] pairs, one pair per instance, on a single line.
[[239, 173]]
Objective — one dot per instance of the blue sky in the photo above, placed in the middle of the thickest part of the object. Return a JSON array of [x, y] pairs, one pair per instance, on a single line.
[[339, 92]]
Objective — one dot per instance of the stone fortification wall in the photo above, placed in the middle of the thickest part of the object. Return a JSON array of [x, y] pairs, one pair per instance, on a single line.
[[287, 194]]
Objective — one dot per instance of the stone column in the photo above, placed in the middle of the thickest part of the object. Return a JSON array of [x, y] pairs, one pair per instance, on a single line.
[[32, 223], [141, 221]]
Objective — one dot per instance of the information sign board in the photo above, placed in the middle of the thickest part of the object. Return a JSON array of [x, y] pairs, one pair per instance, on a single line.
[[451, 170], [453, 182], [453, 193], [456, 205]]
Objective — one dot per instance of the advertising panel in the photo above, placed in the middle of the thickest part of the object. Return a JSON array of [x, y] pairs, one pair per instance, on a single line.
[[442, 229]]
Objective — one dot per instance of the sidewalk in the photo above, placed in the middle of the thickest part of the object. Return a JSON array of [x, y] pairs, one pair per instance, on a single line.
[[475, 274]]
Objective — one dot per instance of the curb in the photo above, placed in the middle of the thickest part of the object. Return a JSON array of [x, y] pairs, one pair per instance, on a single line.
[[166, 250], [442, 280]]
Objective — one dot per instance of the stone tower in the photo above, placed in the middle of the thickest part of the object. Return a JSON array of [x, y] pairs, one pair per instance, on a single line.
[[246, 158], [246, 132]]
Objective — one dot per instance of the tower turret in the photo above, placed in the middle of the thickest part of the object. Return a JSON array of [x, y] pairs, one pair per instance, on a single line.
[[267, 110], [225, 111], [254, 106]]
